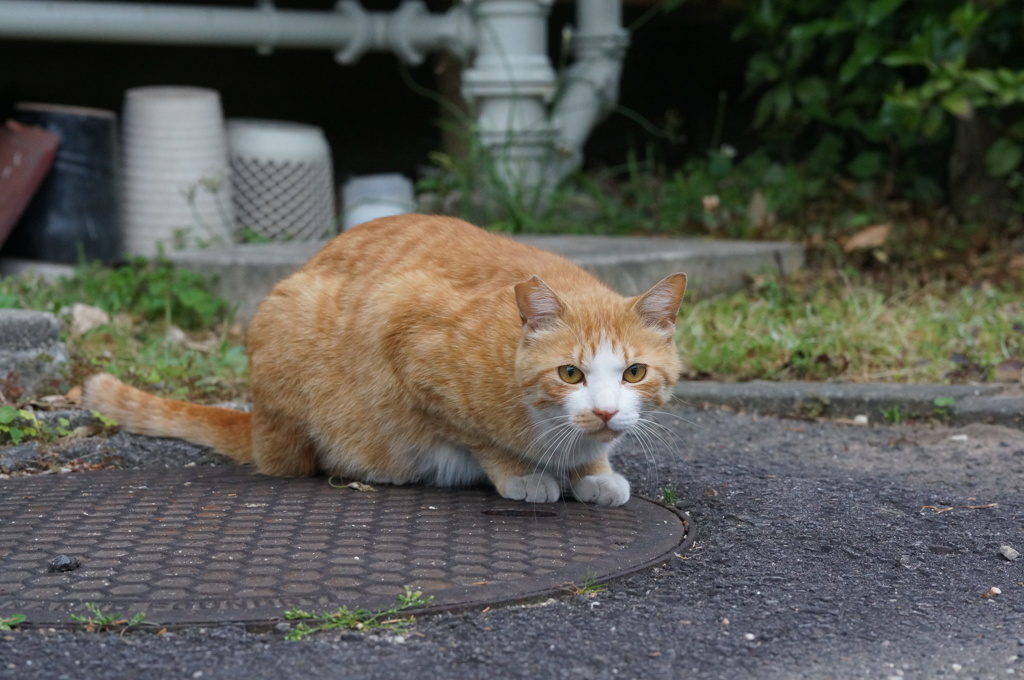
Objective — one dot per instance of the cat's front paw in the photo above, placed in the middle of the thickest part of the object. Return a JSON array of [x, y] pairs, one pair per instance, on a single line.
[[536, 487], [609, 489]]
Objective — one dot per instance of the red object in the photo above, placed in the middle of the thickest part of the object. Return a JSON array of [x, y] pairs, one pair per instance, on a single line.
[[26, 154]]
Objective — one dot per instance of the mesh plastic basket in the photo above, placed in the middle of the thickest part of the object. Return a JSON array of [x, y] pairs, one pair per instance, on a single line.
[[282, 180]]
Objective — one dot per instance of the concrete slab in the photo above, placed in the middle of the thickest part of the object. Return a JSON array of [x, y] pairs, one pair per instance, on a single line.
[[245, 273]]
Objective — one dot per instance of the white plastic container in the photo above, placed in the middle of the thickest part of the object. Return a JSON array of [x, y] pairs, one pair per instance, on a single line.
[[175, 169], [282, 179], [371, 196]]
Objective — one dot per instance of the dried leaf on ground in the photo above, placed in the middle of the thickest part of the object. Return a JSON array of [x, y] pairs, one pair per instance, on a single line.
[[874, 236], [342, 484]]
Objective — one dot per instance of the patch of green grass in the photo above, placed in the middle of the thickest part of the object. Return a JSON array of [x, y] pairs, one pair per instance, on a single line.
[[358, 619], [151, 290], [148, 302], [96, 621], [818, 327]]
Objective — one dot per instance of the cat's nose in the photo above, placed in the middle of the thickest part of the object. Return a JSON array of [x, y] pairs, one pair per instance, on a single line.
[[604, 415]]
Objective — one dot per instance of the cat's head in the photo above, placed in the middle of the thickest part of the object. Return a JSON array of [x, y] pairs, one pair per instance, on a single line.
[[597, 361]]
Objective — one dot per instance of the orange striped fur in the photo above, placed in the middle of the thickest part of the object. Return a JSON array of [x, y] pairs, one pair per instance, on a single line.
[[423, 349]]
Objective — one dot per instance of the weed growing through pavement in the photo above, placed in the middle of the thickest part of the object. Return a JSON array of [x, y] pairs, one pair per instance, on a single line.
[[668, 496], [358, 619], [98, 622], [590, 587], [11, 622], [894, 415], [944, 408]]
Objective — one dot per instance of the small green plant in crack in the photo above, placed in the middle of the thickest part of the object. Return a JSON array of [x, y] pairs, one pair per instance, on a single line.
[[590, 587], [894, 415], [944, 408], [108, 424], [97, 622], [668, 496], [11, 622], [358, 619]]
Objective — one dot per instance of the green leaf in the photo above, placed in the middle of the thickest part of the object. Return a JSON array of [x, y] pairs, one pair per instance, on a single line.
[[966, 19], [931, 124], [958, 103], [811, 90], [865, 52], [904, 57], [7, 414], [866, 164], [880, 9], [1003, 156], [985, 79]]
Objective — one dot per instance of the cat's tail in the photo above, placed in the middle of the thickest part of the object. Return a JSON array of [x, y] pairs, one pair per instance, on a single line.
[[225, 430]]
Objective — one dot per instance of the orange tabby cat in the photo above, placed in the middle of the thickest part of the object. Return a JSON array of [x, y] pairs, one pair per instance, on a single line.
[[416, 349]]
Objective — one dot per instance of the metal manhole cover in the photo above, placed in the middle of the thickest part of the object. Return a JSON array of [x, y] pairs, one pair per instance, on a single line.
[[217, 544]]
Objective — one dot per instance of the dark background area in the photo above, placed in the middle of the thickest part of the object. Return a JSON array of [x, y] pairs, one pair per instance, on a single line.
[[677, 68]]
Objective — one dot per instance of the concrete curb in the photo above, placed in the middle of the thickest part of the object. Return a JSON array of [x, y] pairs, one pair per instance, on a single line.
[[880, 402], [244, 274]]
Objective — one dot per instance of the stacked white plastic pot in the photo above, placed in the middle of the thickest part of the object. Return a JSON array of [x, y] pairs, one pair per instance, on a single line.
[[177, 189]]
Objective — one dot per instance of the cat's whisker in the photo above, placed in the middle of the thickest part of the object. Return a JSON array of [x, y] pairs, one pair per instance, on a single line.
[[670, 414], [646, 444]]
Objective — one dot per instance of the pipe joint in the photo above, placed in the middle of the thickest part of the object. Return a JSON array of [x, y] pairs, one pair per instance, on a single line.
[[608, 45]]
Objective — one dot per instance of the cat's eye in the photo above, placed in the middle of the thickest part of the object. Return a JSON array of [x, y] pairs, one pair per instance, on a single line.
[[570, 374], [634, 373]]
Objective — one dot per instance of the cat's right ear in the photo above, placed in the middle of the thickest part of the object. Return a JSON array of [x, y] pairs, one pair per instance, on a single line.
[[539, 307]]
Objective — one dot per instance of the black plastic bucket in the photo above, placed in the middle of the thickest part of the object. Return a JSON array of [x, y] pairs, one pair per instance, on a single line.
[[75, 211]]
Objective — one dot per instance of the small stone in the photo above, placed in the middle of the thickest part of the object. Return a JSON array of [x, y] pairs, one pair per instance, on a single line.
[[85, 318], [175, 337], [63, 563], [959, 438], [860, 419], [1009, 553], [33, 360]]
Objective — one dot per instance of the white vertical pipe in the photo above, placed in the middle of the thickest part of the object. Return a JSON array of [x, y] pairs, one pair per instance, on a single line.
[[591, 84], [510, 82]]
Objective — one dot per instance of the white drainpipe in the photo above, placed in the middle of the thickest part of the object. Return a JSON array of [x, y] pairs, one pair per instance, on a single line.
[[511, 80], [590, 87]]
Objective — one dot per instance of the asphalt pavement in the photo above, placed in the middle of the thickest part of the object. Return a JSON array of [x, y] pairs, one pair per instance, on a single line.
[[825, 549]]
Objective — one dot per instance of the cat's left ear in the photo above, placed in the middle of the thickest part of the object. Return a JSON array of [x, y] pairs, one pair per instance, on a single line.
[[659, 306], [539, 307]]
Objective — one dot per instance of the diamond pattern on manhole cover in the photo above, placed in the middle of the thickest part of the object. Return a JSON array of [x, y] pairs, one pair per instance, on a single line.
[[215, 544]]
